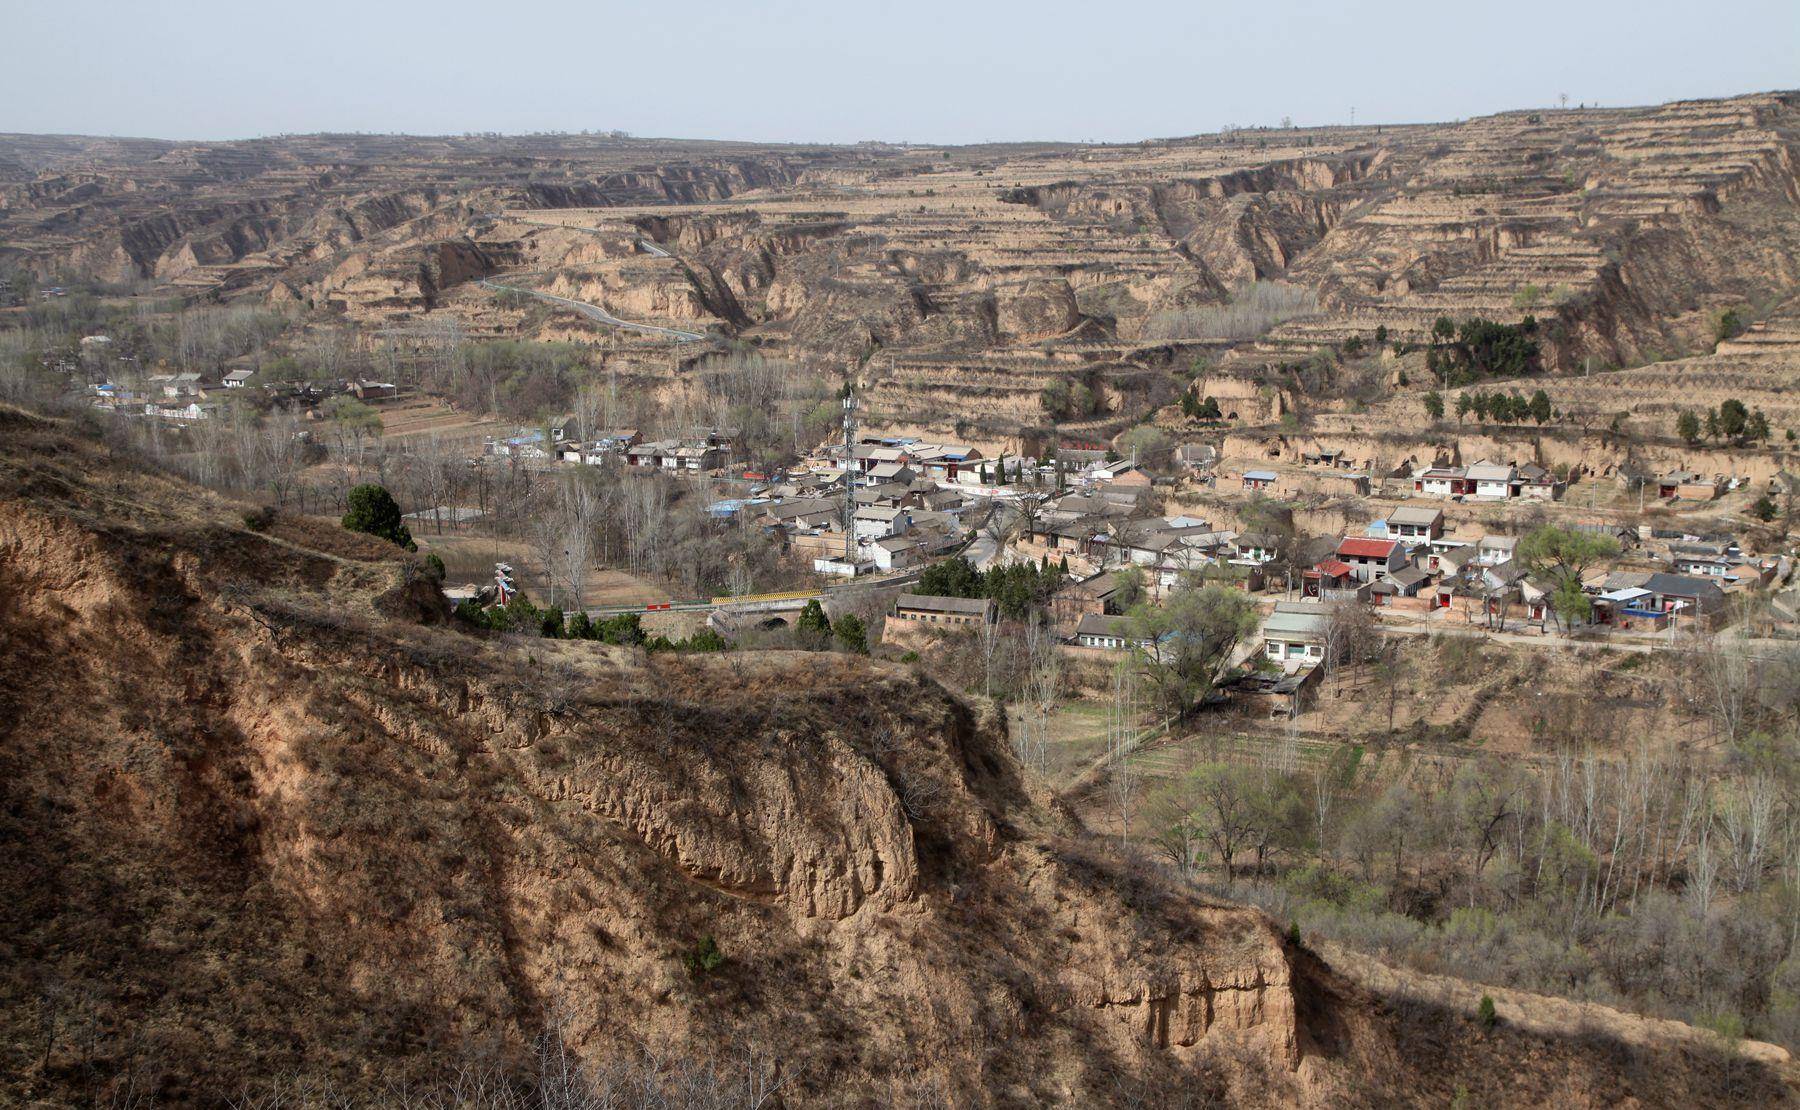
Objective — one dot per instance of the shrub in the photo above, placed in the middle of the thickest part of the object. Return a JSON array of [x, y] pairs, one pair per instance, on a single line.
[[625, 629], [1484, 1012], [1064, 399], [434, 567], [1727, 1026], [374, 512], [705, 957], [813, 629], [707, 640], [259, 518], [851, 634], [1460, 657], [1195, 409], [1727, 325]]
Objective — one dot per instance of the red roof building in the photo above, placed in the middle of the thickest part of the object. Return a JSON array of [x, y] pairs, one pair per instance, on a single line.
[[1327, 574], [1366, 548], [1371, 559]]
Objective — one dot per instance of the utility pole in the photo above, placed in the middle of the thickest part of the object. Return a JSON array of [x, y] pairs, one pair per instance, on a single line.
[[849, 479]]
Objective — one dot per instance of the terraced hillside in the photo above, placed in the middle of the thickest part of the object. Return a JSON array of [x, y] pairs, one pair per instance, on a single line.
[[958, 283]]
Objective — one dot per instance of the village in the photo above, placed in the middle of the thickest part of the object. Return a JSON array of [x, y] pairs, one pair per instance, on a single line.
[[1437, 546], [1486, 551]]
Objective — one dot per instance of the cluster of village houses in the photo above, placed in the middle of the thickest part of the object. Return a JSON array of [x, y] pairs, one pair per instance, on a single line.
[[904, 504], [1407, 556], [1405, 560], [189, 397], [1333, 471], [1481, 481]]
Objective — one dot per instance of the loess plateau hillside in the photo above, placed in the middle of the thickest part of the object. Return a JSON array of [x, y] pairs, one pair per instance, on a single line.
[[959, 284], [268, 823]]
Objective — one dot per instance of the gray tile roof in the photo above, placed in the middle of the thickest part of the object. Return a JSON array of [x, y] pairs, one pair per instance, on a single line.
[[1095, 624], [1414, 515]]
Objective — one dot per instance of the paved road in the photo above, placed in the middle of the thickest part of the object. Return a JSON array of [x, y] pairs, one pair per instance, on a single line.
[[981, 551], [595, 312]]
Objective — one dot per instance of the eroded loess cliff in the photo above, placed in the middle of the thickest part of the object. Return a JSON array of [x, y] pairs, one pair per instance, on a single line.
[[285, 829], [264, 818]]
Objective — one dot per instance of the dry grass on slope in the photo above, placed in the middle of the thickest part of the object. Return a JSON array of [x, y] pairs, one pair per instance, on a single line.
[[258, 826]]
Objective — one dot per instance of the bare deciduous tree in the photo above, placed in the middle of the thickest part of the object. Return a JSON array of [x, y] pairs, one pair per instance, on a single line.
[[1121, 741], [1724, 678], [1043, 685]]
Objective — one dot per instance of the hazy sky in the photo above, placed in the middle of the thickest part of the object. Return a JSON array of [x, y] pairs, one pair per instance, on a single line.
[[808, 70]]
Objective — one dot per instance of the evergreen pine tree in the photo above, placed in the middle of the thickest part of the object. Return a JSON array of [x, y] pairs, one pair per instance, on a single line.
[[851, 633], [813, 629], [374, 511]]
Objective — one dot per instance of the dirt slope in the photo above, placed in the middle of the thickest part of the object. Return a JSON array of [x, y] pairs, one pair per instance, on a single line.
[[261, 819]]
